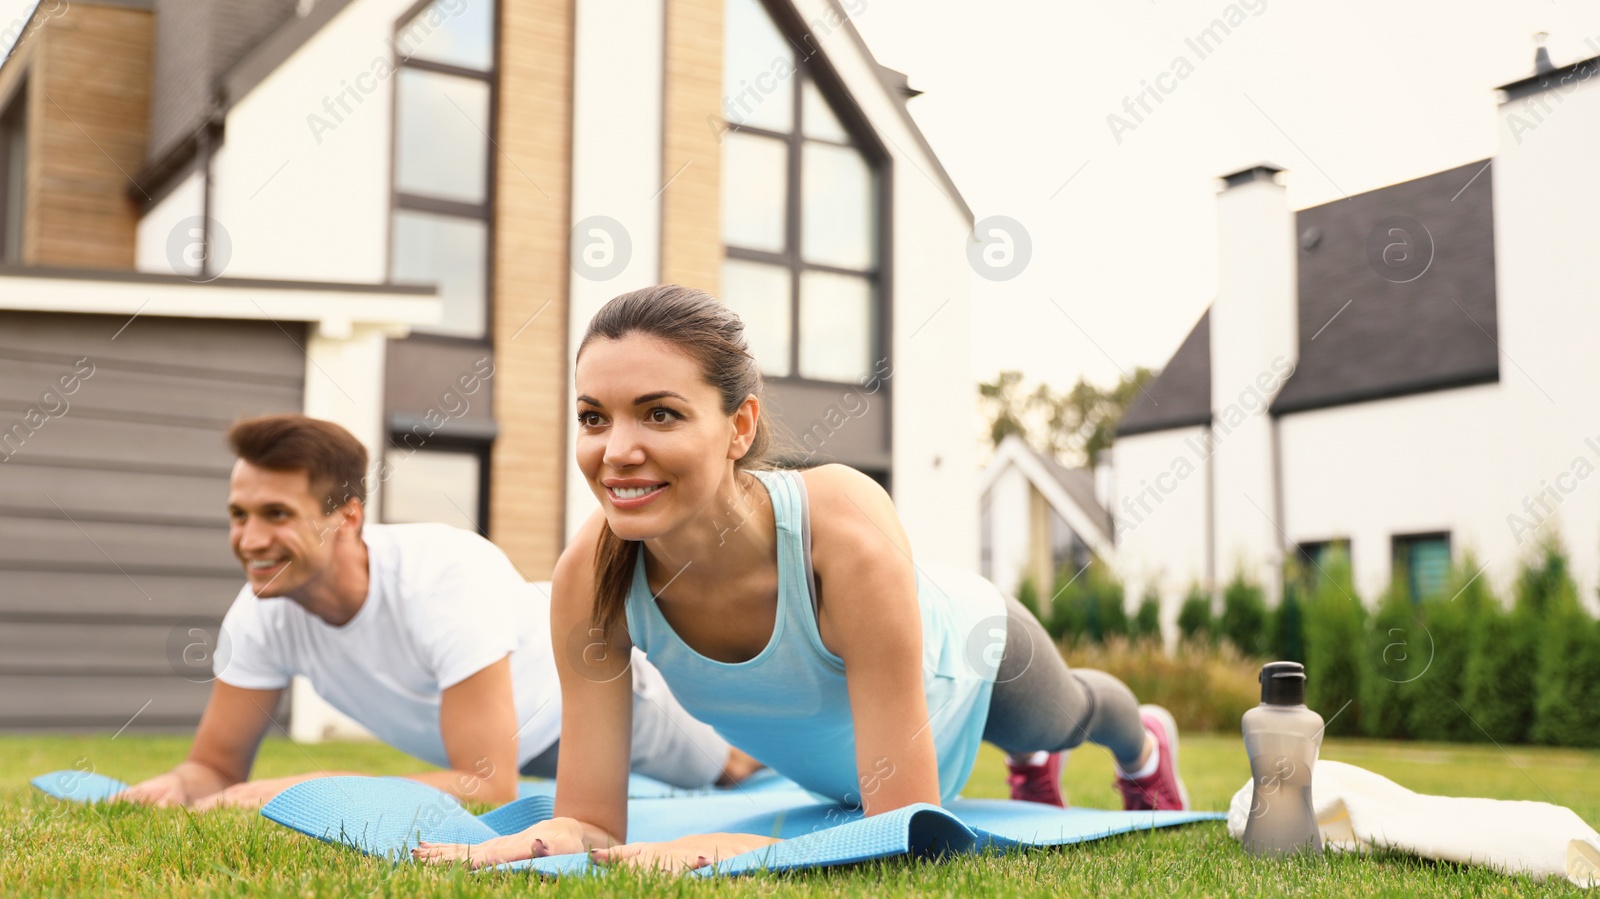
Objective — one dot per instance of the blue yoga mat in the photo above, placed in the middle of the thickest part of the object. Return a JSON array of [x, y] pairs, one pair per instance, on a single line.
[[388, 817], [86, 786], [78, 786]]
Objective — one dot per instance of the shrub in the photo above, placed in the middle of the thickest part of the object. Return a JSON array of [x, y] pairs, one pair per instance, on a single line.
[[1028, 595], [1450, 623], [1194, 617], [1499, 678], [1395, 654], [1206, 688], [1560, 714], [1069, 606], [1335, 630], [1146, 624], [1501, 673], [1244, 615], [1286, 640], [1087, 605]]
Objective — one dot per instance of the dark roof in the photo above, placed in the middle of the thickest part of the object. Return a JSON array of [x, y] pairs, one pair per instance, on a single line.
[[1181, 395], [1370, 329], [1079, 485], [196, 43], [1582, 70]]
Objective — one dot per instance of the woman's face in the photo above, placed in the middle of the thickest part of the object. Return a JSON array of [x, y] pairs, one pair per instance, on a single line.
[[653, 442]]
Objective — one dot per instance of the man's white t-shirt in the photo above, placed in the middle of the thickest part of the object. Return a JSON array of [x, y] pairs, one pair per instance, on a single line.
[[442, 604]]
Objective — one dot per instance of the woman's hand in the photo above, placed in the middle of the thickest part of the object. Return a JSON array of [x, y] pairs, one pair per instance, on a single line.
[[684, 853], [557, 836]]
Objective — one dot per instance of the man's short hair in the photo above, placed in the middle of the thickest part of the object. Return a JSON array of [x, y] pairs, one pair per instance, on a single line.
[[333, 459]]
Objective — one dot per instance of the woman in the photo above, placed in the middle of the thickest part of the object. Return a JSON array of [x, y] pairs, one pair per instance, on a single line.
[[784, 609]]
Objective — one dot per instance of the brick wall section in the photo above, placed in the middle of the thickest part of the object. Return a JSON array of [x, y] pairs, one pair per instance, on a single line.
[[691, 227], [533, 202], [89, 111]]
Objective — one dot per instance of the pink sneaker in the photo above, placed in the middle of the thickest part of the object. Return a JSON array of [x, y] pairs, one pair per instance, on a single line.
[[1038, 783], [1162, 789]]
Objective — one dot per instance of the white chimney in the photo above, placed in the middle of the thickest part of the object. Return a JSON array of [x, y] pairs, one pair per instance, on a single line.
[[1253, 344]]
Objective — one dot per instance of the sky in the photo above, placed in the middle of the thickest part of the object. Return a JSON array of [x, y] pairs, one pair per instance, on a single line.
[[1348, 96]]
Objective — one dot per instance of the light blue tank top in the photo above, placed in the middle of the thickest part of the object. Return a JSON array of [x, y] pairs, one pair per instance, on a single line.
[[788, 706]]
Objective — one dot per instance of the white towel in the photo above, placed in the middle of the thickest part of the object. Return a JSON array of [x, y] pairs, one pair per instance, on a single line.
[[1358, 810]]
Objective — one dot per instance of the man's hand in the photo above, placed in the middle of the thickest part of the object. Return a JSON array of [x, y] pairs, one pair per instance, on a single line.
[[557, 836], [684, 853], [250, 794], [162, 791]]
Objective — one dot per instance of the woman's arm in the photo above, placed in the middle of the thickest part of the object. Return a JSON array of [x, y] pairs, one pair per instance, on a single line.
[[596, 727], [870, 617]]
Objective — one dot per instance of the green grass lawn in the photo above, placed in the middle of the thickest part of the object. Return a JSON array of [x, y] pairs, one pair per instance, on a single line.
[[49, 848]]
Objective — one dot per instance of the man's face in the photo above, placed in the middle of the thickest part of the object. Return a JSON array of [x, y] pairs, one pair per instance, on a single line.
[[277, 528]]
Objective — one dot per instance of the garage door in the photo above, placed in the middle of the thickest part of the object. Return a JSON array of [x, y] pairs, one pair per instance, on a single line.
[[114, 559]]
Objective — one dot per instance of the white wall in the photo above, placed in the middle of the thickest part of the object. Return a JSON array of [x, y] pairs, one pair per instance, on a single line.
[[186, 200], [616, 172], [1009, 537], [1159, 506], [1252, 348], [1407, 465], [934, 457], [314, 206], [1546, 190]]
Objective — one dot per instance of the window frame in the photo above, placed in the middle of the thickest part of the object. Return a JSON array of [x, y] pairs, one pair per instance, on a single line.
[[809, 64], [1398, 556], [482, 449], [484, 212]]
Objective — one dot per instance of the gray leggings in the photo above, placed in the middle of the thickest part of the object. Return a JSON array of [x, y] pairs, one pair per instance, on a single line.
[[668, 744], [1040, 704]]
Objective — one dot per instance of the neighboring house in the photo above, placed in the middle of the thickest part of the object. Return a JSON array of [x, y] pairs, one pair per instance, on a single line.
[[1037, 517], [1406, 373], [400, 216]]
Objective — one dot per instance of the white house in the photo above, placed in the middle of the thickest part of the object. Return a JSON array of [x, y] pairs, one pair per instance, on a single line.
[[400, 215], [1037, 517], [1407, 372]]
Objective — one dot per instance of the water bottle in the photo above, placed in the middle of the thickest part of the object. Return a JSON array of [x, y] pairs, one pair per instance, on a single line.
[[1282, 737]]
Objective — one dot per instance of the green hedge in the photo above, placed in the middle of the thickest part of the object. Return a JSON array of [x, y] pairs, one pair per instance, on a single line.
[[1244, 616], [1194, 617], [1460, 666]]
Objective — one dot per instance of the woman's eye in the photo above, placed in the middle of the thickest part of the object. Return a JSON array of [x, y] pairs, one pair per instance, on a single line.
[[588, 419], [661, 415]]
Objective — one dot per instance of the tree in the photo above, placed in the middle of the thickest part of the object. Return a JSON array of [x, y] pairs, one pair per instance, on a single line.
[[1146, 625], [1451, 623], [1071, 426], [1244, 615], [1335, 632], [1194, 616], [1004, 406]]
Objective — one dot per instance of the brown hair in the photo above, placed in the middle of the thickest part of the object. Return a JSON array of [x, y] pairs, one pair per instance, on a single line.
[[332, 457], [710, 333]]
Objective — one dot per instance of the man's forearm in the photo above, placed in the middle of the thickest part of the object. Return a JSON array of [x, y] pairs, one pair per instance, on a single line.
[[201, 780]]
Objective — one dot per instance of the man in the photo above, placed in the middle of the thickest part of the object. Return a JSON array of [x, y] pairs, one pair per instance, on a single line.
[[425, 634]]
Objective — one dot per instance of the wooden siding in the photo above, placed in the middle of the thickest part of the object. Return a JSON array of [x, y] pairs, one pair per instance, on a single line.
[[88, 82], [532, 218], [691, 223]]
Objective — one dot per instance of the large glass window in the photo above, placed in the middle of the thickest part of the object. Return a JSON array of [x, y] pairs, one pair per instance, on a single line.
[[800, 209], [443, 159]]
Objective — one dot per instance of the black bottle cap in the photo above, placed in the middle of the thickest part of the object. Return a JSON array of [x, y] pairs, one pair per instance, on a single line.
[[1283, 683]]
